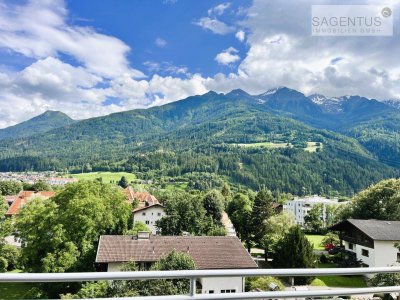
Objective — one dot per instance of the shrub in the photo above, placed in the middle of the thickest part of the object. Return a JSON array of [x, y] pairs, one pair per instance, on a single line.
[[323, 259]]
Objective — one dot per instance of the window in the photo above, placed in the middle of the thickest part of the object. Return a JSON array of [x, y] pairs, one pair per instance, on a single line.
[[350, 246], [158, 214], [211, 291], [143, 213], [365, 252], [228, 291], [398, 257], [147, 222]]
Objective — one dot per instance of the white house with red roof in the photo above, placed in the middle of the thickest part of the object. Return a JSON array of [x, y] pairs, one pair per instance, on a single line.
[[149, 210]]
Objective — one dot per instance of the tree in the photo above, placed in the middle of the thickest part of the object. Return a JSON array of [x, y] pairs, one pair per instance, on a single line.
[[294, 251], [277, 227], [40, 185], [262, 210], [10, 187], [313, 220], [213, 204], [137, 227], [5, 223], [380, 201], [129, 288], [184, 213], [60, 234], [123, 182], [226, 191], [240, 212]]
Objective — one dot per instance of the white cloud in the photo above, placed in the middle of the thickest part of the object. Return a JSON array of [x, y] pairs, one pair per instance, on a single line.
[[214, 25], [38, 29], [279, 53], [161, 43], [167, 67], [219, 9], [228, 56], [240, 35]]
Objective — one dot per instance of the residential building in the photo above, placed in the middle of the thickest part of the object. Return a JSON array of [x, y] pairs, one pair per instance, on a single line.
[[299, 207], [207, 252], [24, 197], [60, 181], [149, 215], [149, 210], [371, 241]]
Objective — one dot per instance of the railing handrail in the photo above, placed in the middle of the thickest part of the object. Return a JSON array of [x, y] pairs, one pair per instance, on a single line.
[[193, 275], [138, 275]]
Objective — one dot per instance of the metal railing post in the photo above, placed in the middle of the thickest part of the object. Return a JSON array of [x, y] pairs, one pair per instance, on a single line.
[[192, 286]]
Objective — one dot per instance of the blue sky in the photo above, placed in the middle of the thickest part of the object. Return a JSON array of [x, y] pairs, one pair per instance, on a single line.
[[91, 58], [140, 23]]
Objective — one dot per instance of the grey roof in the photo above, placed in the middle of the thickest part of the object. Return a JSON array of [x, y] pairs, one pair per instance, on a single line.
[[376, 229], [208, 252]]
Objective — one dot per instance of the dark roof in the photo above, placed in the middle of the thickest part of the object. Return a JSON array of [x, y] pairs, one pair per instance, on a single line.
[[375, 229], [146, 207], [208, 252]]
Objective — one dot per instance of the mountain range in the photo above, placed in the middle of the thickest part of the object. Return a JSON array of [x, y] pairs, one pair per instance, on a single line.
[[281, 138], [45, 122]]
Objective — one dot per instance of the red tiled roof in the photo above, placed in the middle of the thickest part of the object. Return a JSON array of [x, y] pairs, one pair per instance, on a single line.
[[23, 197], [143, 197], [208, 252]]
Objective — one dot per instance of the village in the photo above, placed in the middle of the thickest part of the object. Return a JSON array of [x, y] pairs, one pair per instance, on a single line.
[[327, 240]]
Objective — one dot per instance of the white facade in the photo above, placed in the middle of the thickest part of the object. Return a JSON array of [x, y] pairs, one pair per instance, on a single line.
[[208, 285], [149, 215], [299, 208], [384, 253], [222, 285]]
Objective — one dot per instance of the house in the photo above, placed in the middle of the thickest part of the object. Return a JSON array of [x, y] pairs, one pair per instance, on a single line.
[[23, 197], [207, 252], [299, 207], [371, 241], [60, 181], [149, 210]]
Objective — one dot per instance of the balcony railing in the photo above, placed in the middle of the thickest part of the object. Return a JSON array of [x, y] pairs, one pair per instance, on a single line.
[[193, 275]]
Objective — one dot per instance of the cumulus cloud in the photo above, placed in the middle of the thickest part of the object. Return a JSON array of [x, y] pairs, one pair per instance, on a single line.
[[38, 29], [240, 35], [279, 53], [228, 56], [214, 25], [219, 9]]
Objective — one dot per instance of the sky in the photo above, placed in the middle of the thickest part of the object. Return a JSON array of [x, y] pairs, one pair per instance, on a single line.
[[91, 58]]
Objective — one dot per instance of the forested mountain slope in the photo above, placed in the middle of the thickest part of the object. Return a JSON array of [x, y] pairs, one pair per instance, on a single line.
[[250, 140], [45, 122]]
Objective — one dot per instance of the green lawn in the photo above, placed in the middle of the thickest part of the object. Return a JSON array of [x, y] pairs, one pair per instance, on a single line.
[[106, 176], [316, 240], [312, 146], [338, 281], [14, 290]]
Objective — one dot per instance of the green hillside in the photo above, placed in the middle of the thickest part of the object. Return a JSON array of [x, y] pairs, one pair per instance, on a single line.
[[202, 135], [45, 122]]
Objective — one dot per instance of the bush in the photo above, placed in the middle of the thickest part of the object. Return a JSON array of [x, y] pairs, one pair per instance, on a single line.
[[12, 255], [263, 283], [323, 259], [3, 265]]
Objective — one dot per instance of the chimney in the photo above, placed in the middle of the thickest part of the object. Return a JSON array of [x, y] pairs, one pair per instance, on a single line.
[[143, 235]]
